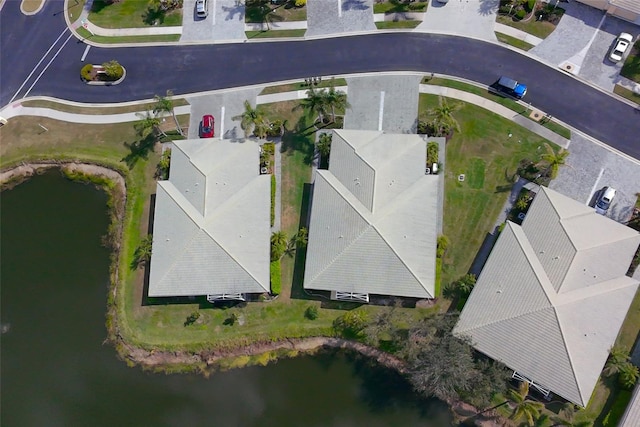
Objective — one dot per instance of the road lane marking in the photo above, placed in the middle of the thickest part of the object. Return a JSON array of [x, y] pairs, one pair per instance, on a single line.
[[381, 110], [38, 64], [221, 122], [47, 66], [595, 185], [86, 50]]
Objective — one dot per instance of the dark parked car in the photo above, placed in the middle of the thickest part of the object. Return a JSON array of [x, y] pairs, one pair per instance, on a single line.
[[511, 87], [206, 127]]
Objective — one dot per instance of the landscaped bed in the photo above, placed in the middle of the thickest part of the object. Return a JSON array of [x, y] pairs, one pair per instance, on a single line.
[[267, 11], [536, 18]]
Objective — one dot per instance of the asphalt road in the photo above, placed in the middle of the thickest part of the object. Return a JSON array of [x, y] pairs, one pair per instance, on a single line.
[[196, 68]]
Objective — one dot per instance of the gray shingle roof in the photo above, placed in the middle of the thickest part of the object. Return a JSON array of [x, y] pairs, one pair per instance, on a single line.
[[373, 217], [212, 221], [557, 334]]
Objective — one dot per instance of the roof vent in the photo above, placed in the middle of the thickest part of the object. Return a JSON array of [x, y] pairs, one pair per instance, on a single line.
[[556, 257], [499, 291]]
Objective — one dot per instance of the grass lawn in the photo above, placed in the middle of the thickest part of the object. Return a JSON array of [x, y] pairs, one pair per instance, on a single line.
[[95, 110], [31, 5], [502, 100], [385, 25], [399, 6], [302, 86], [631, 67], [487, 156], [74, 9], [274, 34], [624, 92], [512, 41], [131, 14], [285, 12], [540, 29], [127, 39]]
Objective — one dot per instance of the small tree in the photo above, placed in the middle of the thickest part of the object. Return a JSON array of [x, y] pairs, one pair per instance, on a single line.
[[442, 245], [279, 245], [164, 104], [444, 121], [311, 312], [618, 357], [324, 144], [113, 69], [192, 318], [351, 324], [628, 375], [553, 159], [164, 164], [143, 251], [524, 408]]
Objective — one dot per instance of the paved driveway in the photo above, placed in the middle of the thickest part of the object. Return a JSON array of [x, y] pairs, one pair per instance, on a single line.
[[592, 167], [223, 106], [339, 16], [473, 18], [388, 103], [225, 21]]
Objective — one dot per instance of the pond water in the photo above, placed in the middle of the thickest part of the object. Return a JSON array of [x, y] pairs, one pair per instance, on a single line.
[[56, 371]]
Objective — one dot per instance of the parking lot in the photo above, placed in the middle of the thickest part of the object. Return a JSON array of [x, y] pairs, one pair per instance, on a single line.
[[590, 167], [225, 21]]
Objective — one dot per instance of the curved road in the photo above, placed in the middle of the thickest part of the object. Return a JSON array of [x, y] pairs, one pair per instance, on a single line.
[[195, 68]]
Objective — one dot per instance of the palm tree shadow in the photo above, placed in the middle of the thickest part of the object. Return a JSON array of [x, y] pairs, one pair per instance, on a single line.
[[298, 140], [488, 7], [138, 150]]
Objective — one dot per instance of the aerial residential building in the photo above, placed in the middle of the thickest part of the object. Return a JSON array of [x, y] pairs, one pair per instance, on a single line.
[[211, 230], [624, 9], [374, 216], [552, 296]]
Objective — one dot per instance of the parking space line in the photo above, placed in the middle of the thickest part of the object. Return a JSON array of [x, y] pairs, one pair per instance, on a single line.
[[381, 110], [339, 8], [221, 122], [213, 15], [595, 185], [86, 50]]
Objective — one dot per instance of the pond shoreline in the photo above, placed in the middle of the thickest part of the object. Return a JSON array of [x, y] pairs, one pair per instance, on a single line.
[[208, 361]]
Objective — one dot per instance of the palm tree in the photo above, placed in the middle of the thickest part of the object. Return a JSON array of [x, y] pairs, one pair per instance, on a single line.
[[335, 99], [324, 144], [164, 104], [444, 120], [316, 101], [252, 119], [279, 245], [554, 159], [618, 358], [524, 408], [143, 251], [628, 375], [149, 124]]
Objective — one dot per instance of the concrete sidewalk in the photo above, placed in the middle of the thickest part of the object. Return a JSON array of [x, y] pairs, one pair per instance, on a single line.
[[517, 34]]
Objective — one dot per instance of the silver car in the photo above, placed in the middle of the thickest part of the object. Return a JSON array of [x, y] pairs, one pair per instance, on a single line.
[[201, 8]]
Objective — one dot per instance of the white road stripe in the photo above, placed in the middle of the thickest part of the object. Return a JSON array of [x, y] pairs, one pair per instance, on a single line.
[[47, 66], [381, 110], [86, 50], [38, 64], [221, 122], [213, 15], [340, 8], [595, 185]]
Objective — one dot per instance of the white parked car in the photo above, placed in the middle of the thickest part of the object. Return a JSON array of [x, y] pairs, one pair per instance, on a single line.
[[201, 8], [622, 44], [604, 201]]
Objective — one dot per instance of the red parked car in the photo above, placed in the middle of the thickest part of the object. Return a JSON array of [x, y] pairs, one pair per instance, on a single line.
[[206, 126]]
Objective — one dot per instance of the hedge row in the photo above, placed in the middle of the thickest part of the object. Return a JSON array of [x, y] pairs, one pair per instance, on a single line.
[[273, 199], [276, 282]]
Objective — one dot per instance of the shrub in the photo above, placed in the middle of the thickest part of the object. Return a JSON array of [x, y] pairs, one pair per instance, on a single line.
[[276, 282], [85, 72], [311, 312], [443, 244], [432, 153], [275, 129], [191, 319], [520, 14], [273, 199], [113, 69], [351, 324], [531, 4], [301, 3]]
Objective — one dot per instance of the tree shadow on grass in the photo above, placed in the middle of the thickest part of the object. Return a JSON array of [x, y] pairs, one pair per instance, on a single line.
[[138, 150], [298, 139], [153, 16], [98, 5]]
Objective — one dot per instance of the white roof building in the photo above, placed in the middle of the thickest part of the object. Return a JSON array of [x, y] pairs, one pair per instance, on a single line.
[[553, 294], [211, 233], [373, 227]]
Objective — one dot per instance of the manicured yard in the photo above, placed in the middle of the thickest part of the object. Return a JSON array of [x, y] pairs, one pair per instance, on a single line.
[[386, 25], [128, 39], [74, 9], [131, 14], [540, 29], [399, 6], [274, 34], [631, 67], [485, 153], [512, 41], [264, 11], [626, 93]]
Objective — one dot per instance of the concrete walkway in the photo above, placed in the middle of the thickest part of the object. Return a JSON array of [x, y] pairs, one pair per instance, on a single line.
[[517, 34]]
